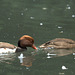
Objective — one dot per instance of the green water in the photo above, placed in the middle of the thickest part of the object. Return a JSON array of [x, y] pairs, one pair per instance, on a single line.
[[44, 20]]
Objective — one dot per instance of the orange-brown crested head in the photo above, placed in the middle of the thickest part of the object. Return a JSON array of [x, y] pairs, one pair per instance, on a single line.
[[26, 41]]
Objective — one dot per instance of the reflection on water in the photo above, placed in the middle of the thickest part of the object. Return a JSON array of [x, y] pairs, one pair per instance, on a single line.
[[59, 52], [50, 53], [7, 57], [37, 61], [26, 61]]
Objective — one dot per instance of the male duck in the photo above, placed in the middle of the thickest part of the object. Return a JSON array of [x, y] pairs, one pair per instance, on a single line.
[[24, 41], [59, 43]]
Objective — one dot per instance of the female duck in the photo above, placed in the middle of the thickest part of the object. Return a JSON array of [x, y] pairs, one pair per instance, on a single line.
[[24, 41], [59, 43]]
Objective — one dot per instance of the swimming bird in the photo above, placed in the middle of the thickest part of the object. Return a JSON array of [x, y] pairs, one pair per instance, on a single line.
[[59, 43], [24, 42]]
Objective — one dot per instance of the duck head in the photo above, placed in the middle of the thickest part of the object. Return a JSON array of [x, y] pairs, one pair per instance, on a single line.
[[26, 41]]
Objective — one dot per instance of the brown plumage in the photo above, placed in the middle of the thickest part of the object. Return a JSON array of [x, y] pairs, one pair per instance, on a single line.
[[24, 41], [7, 45], [59, 43]]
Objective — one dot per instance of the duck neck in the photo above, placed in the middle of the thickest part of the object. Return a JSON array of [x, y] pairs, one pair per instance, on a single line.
[[18, 49]]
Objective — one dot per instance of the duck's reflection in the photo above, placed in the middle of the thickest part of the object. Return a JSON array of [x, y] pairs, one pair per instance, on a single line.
[[7, 57], [26, 60], [51, 53], [59, 52]]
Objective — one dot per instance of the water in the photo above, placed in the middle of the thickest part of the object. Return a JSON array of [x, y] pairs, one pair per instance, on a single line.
[[44, 20]]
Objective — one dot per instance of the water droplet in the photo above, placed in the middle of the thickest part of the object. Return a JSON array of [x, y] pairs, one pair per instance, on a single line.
[[9, 18], [31, 17], [73, 15], [26, 9], [68, 8], [41, 24], [22, 14], [59, 27], [64, 68], [44, 8]]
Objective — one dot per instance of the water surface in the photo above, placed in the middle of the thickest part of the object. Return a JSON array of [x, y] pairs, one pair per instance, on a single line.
[[44, 20]]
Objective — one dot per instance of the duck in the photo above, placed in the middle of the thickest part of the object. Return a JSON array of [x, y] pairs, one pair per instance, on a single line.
[[24, 42], [59, 43]]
